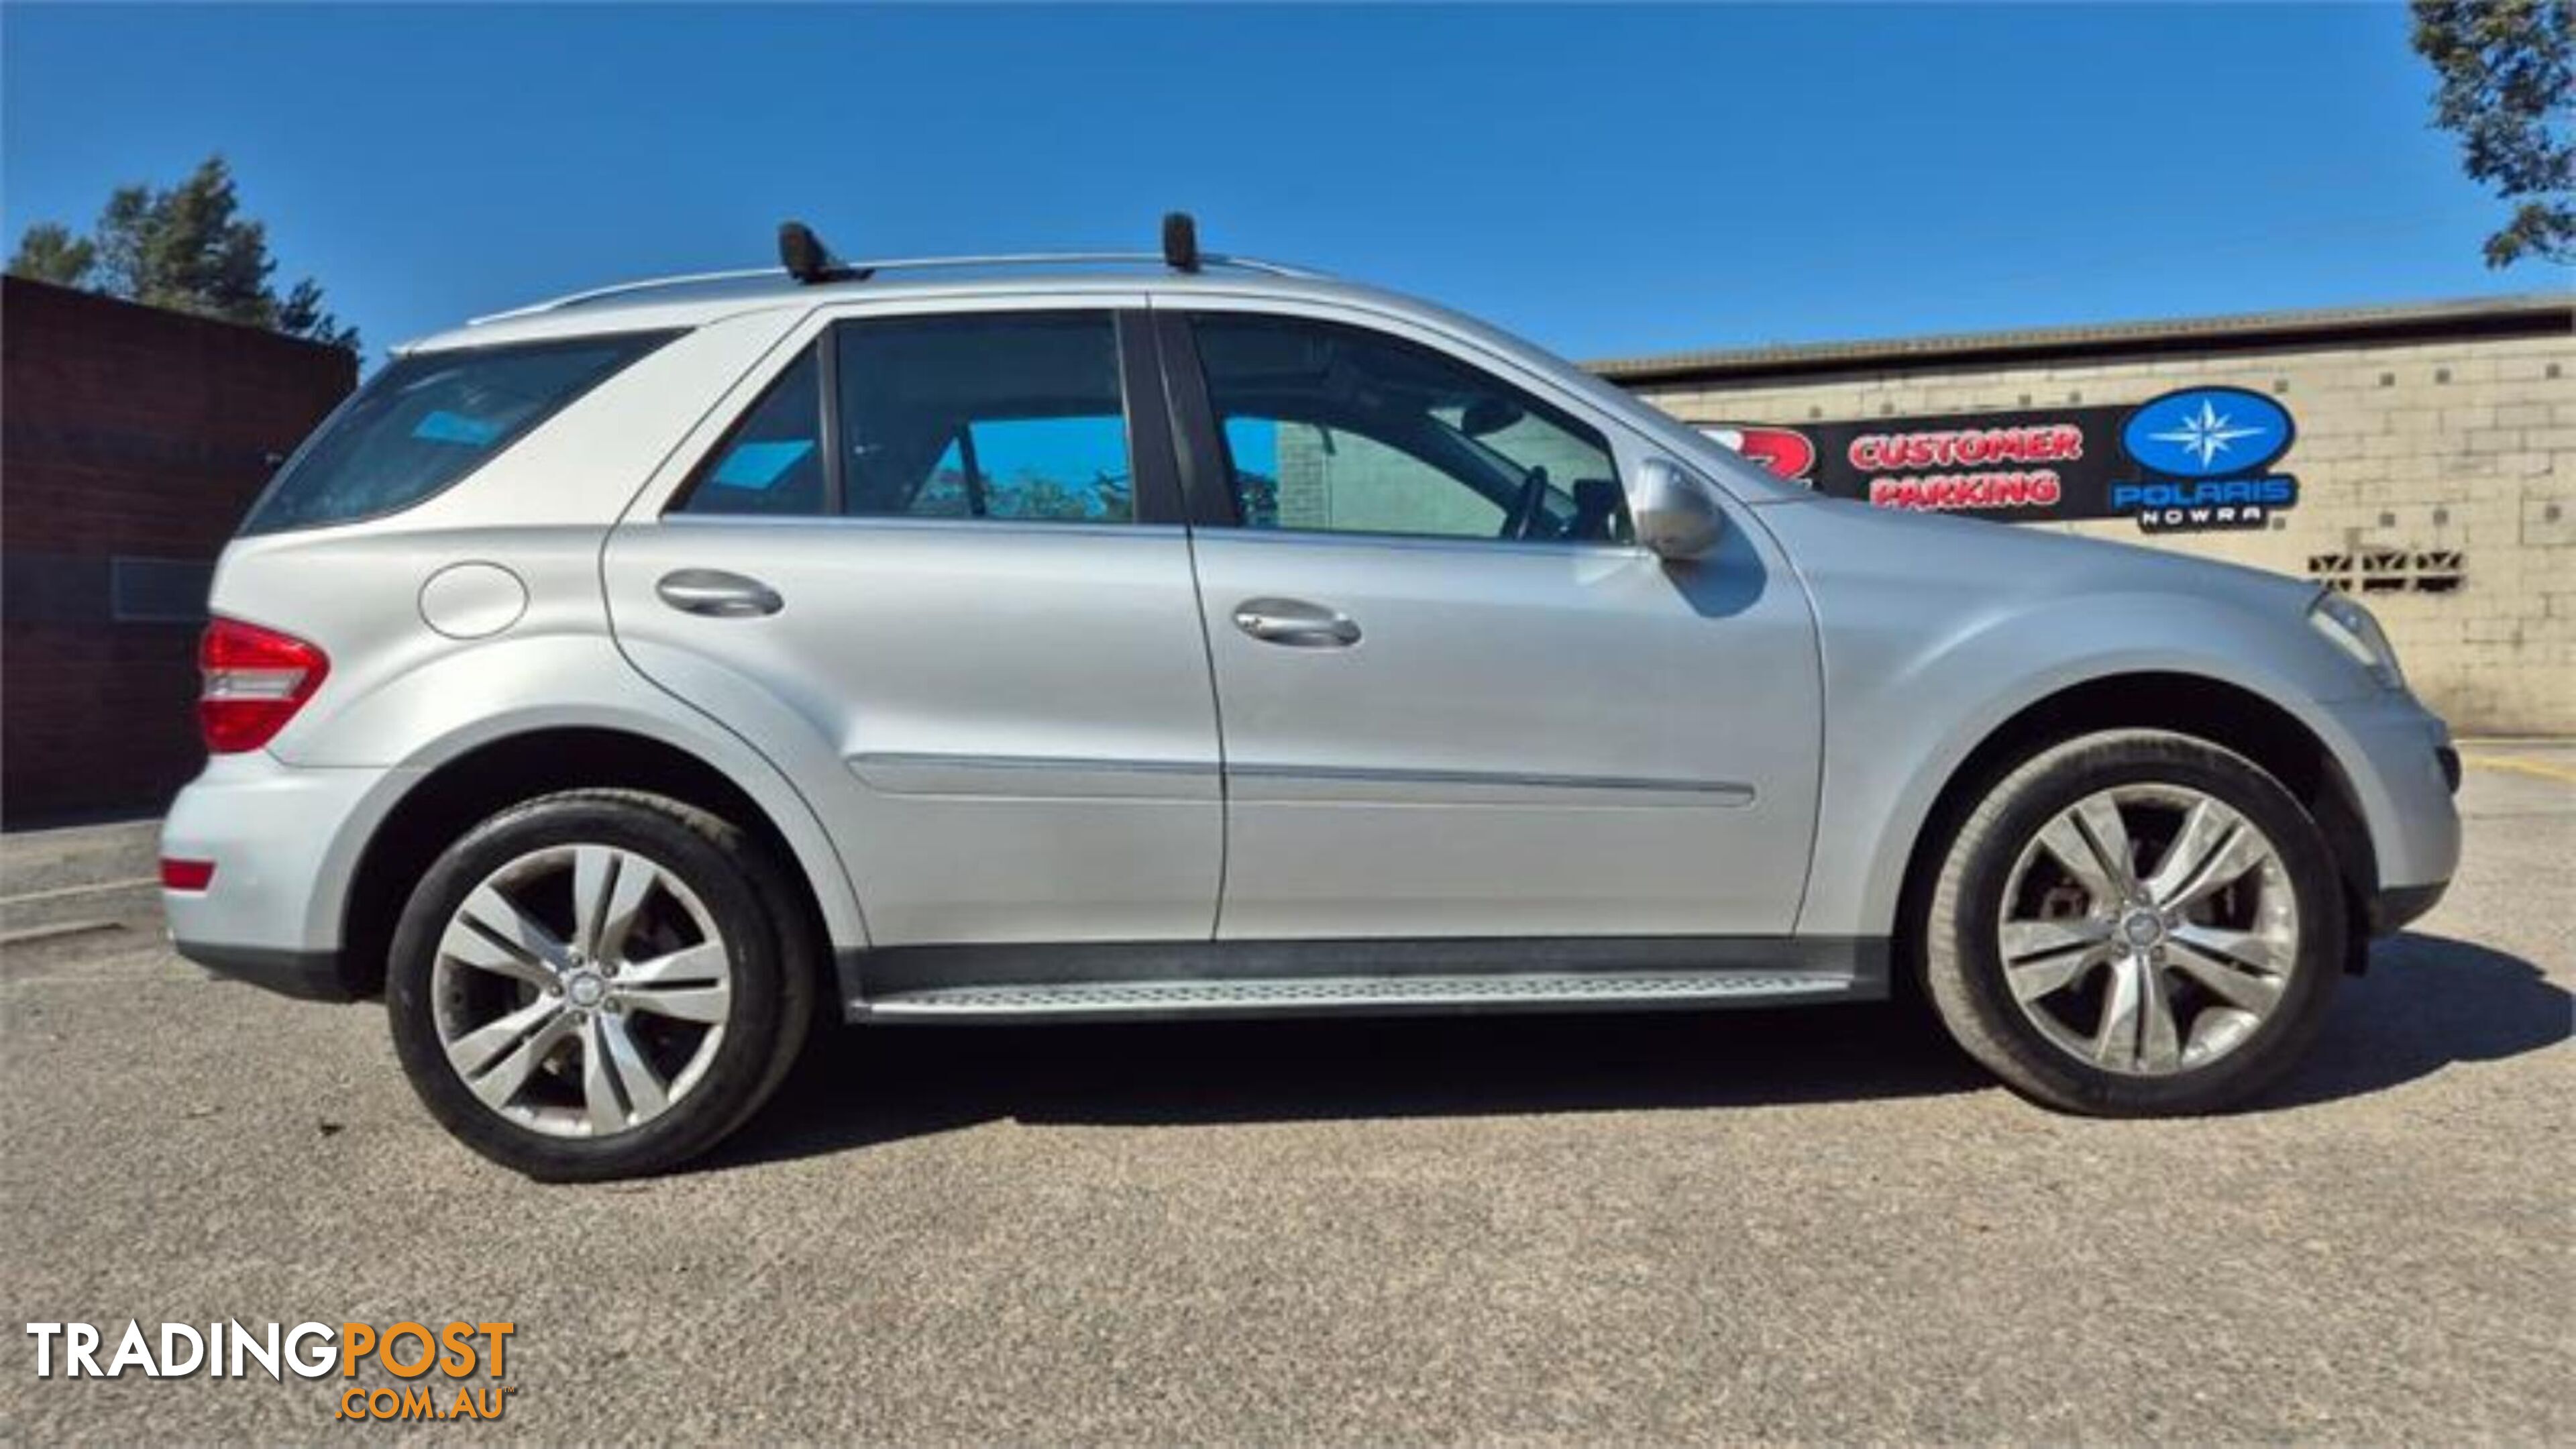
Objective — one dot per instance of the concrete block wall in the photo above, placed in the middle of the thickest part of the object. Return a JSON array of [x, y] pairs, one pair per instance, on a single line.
[[2417, 449]]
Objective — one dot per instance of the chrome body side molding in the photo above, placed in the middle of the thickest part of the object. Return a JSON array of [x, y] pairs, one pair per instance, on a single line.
[[896, 773]]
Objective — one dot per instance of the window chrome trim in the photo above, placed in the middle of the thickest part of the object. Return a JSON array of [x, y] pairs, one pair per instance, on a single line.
[[1296, 538], [1444, 543], [901, 523]]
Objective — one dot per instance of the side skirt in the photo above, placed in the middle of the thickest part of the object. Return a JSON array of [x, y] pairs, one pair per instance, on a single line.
[[1130, 980]]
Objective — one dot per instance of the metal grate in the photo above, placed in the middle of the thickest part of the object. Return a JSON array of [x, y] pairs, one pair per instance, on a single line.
[[2391, 570]]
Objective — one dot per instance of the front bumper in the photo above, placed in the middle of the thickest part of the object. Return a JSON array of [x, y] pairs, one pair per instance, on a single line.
[[284, 841], [2392, 911], [2398, 759]]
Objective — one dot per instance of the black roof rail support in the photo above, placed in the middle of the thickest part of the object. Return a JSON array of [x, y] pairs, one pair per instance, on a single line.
[[1180, 241], [807, 260]]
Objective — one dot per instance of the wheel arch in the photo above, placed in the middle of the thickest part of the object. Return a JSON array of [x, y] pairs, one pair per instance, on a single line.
[[2204, 707], [451, 796]]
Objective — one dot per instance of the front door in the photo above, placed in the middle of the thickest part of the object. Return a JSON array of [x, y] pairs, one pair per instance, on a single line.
[[937, 573], [1456, 699]]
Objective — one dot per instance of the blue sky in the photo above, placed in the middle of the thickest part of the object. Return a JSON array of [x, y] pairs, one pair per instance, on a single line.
[[1607, 181]]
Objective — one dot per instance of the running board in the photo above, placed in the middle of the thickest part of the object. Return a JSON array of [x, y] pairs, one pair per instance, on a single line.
[[1393, 995]]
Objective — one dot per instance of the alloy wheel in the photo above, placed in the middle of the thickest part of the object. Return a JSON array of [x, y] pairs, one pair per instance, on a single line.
[[581, 990], [2148, 929]]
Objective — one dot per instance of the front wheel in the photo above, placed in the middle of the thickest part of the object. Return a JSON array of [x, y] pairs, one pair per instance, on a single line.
[[594, 985], [2136, 923]]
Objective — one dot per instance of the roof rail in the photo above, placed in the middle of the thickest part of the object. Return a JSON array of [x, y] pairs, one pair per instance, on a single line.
[[620, 289], [803, 257], [1206, 260]]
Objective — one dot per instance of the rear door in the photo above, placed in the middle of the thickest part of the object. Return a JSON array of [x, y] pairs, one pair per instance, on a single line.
[[934, 566], [1456, 698]]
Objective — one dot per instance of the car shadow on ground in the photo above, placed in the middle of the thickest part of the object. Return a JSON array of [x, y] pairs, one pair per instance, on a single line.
[[2426, 1003]]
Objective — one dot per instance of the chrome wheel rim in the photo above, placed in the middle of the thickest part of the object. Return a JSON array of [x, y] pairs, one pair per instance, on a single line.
[[2149, 930], [581, 990]]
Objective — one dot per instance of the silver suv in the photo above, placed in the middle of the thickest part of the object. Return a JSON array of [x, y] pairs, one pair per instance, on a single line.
[[621, 684]]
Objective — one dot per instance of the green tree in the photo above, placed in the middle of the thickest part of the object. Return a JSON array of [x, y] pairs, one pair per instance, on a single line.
[[2505, 68], [50, 253], [187, 248]]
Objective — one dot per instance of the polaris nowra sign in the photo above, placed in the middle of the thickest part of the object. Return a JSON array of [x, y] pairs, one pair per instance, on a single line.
[[2204, 449], [2172, 506], [2183, 462], [2207, 432]]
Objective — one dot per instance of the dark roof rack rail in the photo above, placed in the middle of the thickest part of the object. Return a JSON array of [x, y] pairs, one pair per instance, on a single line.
[[1180, 241], [803, 257]]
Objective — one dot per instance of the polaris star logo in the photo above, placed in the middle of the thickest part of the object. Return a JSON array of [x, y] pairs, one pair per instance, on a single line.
[[2207, 432], [2207, 435], [2204, 449]]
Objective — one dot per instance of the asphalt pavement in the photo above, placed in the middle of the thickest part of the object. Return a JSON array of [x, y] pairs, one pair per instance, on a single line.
[[1810, 1225]]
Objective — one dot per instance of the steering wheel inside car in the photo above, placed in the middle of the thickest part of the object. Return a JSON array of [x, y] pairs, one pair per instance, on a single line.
[[1526, 507]]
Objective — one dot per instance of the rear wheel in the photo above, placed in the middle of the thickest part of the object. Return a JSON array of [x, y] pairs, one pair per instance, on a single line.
[[2136, 923], [596, 984]]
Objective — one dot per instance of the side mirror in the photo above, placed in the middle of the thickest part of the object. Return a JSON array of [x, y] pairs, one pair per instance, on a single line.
[[1676, 518]]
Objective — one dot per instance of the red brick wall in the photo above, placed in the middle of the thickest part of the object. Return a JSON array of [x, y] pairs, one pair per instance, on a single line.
[[125, 432]]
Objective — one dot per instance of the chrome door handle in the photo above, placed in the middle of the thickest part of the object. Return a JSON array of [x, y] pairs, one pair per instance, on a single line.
[[1296, 623], [717, 594]]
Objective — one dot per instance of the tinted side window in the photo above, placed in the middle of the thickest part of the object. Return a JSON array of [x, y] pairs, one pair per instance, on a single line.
[[1336, 429], [772, 462], [1009, 416], [429, 419]]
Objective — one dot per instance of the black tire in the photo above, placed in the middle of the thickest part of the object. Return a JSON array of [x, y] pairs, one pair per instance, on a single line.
[[772, 979], [1963, 960]]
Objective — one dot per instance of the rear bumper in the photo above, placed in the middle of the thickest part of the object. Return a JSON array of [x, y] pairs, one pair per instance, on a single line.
[[306, 975], [284, 841]]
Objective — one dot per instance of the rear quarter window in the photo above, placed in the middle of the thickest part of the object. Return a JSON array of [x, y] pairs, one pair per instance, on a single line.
[[429, 419]]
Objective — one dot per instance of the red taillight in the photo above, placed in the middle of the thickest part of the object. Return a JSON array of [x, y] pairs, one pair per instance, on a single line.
[[187, 875], [255, 681]]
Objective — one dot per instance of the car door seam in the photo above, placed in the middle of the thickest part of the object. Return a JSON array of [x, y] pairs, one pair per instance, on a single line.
[[1186, 445]]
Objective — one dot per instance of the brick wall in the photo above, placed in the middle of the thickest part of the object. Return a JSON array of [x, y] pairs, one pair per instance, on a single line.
[[131, 441], [2413, 455]]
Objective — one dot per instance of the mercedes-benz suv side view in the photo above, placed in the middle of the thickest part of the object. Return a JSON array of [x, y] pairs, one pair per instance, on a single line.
[[621, 684]]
